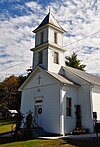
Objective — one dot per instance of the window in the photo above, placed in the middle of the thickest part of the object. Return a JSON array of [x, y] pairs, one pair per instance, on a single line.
[[55, 37], [56, 58], [39, 101], [40, 59], [68, 106], [42, 37]]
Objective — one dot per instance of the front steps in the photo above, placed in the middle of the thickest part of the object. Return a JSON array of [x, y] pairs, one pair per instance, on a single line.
[[38, 132]]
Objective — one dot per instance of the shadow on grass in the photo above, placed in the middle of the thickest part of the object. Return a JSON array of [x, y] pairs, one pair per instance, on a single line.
[[5, 140], [84, 142], [7, 121], [11, 138]]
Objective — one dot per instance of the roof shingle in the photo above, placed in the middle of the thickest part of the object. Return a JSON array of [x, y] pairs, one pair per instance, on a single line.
[[93, 79], [49, 19]]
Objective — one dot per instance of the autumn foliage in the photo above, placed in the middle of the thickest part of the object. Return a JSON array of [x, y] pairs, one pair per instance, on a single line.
[[10, 97]]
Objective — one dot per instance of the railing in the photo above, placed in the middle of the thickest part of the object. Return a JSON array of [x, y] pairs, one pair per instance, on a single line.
[[23, 124], [13, 127], [97, 128], [22, 127], [34, 123]]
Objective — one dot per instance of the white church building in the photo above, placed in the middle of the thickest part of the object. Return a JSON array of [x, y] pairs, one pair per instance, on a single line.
[[53, 89]]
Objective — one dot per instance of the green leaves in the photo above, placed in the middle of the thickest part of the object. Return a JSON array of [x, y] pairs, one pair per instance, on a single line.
[[74, 62], [10, 97]]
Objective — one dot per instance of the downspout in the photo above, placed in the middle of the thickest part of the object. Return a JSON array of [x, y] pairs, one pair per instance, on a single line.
[[62, 112], [91, 107]]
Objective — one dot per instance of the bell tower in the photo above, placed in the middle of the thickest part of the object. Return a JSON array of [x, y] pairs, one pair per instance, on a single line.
[[48, 51]]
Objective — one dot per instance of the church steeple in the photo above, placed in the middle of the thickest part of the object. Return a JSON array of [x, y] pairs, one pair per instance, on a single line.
[[48, 49], [49, 20]]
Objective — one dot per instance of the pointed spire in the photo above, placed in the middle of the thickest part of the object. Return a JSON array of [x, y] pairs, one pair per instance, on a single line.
[[49, 9], [50, 20]]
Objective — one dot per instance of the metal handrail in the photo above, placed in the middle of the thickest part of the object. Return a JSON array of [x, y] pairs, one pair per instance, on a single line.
[[34, 121]]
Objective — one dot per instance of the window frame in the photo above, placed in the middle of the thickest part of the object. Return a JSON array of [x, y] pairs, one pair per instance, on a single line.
[[42, 37], [55, 37], [68, 107], [56, 57], [40, 57], [38, 102]]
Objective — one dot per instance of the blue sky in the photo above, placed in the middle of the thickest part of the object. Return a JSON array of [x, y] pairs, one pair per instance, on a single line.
[[80, 18]]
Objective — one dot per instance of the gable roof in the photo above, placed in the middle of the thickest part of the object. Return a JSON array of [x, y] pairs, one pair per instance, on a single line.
[[49, 19], [61, 78], [56, 76], [92, 79]]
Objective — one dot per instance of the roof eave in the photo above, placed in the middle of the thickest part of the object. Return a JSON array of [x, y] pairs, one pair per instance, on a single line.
[[46, 44], [49, 25], [91, 83], [28, 78]]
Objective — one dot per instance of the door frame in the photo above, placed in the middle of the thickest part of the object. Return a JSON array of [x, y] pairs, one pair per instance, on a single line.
[[38, 109]]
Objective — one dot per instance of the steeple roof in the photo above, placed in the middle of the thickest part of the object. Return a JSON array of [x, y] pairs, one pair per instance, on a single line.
[[49, 19]]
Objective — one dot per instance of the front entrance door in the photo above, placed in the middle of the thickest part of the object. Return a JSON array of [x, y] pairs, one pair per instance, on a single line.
[[38, 114], [38, 110]]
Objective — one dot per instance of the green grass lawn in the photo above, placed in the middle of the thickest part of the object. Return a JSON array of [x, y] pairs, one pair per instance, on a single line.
[[93, 142], [38, 143], [5, 125]]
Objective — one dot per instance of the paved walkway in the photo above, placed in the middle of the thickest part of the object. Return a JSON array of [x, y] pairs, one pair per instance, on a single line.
[[83, 136]]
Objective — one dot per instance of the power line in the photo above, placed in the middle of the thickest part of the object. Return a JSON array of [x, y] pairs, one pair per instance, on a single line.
[[82, 39], [23, 62], [14, 65], [51, 51]]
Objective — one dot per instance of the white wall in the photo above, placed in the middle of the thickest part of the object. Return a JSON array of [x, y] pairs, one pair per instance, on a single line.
[[49, 90], [59, 37], [48, 59], [36, 58], [53, 67], [84, 100], [96, 100], [69, 122], [48, 36], [27, 101], [38, 37], [51, 109], [48, 53]]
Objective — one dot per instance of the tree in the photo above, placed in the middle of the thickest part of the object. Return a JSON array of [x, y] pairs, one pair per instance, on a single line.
[[10, 97], [74, 62]]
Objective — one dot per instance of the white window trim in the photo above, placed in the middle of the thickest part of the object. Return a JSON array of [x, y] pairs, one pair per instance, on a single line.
[[54, 57], [70, 117], [40, 98], [55, 37]]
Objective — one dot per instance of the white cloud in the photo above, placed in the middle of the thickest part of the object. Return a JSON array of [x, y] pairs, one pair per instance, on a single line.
[[79, 18]]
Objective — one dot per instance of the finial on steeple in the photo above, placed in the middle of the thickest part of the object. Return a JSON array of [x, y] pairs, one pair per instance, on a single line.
[[49, 9]]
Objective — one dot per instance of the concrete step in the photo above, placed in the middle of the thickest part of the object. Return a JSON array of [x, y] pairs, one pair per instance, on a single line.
[[38, 132]]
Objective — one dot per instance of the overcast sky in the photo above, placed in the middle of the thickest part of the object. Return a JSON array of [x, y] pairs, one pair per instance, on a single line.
[[80, 19]]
